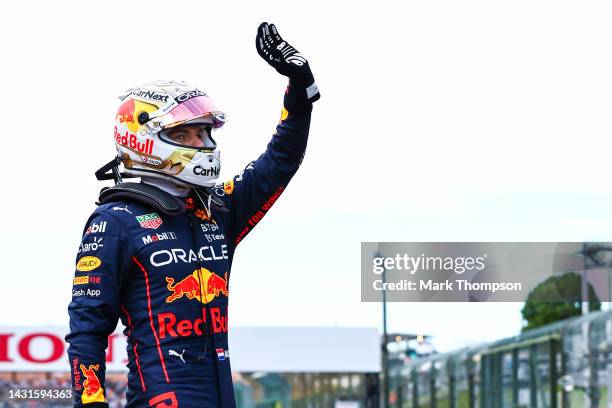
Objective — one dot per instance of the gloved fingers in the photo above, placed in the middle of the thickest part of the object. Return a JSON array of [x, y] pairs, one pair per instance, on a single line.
[[281, 55], [277, 37], [260, 41], [261, 49], [265, 43], [263, 30], [281, 45], [280, 48]]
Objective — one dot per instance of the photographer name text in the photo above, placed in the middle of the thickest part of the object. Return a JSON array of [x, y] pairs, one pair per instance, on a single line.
[[446, 286]]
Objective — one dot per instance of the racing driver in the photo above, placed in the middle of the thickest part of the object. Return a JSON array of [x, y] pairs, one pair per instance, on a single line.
[[157, 253]]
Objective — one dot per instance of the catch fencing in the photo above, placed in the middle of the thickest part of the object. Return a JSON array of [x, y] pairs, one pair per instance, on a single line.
[[567, 365]]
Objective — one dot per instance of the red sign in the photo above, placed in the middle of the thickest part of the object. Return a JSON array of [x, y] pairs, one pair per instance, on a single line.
[[24, 349]]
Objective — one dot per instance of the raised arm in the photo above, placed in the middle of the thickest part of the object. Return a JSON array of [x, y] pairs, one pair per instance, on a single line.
[[251, 193]]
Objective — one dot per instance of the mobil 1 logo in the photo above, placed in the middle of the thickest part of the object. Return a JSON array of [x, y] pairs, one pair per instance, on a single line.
[[161, 236]]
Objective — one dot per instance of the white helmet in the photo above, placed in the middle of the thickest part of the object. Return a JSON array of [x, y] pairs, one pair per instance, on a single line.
[[142, 121]]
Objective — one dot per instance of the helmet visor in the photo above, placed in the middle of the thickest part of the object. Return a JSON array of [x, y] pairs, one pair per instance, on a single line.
[[194, 136], [197, 107]]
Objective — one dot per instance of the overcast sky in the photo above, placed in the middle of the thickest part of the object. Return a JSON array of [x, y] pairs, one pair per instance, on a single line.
[[439, 121]]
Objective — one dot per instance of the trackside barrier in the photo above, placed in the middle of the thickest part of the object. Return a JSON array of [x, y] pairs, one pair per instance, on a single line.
[[567, 364]]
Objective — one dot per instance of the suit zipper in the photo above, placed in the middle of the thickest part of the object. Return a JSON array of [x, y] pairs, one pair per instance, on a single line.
[[206, 322]]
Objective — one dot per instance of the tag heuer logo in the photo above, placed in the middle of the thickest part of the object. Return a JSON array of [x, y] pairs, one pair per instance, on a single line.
[[151, 221]]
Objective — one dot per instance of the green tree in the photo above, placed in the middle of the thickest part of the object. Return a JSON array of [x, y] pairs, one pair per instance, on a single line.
[[539, 310]]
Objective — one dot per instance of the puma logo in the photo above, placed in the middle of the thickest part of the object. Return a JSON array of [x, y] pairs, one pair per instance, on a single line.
[[176, 354], [122, 209]]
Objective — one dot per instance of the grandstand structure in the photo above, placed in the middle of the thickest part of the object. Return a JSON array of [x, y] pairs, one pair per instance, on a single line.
[[566, 364]]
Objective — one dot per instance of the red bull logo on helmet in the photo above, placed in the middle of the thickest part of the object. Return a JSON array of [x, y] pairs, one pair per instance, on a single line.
[[205, 290], [130, 141], [128, 112], [125, 113], [92, 391]]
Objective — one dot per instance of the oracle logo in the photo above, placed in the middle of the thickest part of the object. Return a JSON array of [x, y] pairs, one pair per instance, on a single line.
[[188, 95]]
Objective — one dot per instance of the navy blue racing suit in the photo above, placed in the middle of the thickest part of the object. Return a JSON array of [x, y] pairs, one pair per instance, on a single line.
[[167, 279]]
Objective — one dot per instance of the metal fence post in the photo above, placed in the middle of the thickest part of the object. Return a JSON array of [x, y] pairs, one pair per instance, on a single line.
[[515, 379], [554, 374]]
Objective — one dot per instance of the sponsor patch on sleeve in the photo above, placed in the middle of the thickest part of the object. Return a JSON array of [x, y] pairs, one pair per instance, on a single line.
[[85, 279], [92, 387], [81, 280], [88, 263], [96, 227]]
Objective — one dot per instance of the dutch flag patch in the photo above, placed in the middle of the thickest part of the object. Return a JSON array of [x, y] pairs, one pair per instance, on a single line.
[[222, 354]]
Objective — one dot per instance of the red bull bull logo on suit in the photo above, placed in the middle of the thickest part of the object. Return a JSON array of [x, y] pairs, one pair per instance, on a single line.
[[210, 287], [92, 391]]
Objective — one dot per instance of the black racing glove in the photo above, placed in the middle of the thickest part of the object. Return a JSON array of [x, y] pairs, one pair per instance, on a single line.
[[288, 62]]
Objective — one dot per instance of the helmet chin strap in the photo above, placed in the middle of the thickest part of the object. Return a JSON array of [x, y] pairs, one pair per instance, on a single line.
[[110, 171], [167, 185]]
